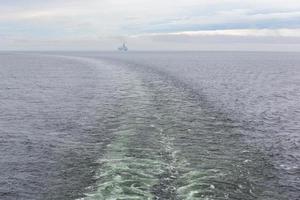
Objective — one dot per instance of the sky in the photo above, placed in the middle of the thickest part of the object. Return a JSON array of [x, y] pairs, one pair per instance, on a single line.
[[266, 25]]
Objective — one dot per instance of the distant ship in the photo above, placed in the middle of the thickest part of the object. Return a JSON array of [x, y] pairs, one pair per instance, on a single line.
[[123, 47]]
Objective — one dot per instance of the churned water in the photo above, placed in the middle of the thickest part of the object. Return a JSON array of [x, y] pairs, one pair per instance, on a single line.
[[165, 125]]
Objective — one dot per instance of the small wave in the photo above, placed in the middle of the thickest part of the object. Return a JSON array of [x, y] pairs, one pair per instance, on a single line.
[[124, 175]]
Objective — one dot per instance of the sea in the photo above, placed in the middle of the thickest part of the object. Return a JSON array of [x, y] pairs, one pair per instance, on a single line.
[[149, 125]]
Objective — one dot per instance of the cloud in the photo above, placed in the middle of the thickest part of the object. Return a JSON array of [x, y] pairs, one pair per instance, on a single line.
[[36, 20], [234, 32]]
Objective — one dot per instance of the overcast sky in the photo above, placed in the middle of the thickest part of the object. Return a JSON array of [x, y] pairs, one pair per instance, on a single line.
[[150, 24]]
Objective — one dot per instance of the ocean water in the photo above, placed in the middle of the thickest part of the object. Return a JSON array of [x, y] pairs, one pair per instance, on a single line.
[[149, 125]]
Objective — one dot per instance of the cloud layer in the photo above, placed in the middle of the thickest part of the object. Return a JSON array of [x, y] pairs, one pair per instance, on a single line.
[[94, 24]]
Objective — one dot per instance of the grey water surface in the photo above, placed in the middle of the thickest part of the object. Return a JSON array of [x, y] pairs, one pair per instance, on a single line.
[[149, 125]]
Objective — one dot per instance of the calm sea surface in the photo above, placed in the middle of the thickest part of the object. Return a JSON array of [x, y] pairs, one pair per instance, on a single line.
[[145, 125]]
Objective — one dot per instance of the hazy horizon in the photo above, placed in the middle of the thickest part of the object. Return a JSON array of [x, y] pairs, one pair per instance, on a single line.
[[228, 25]]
